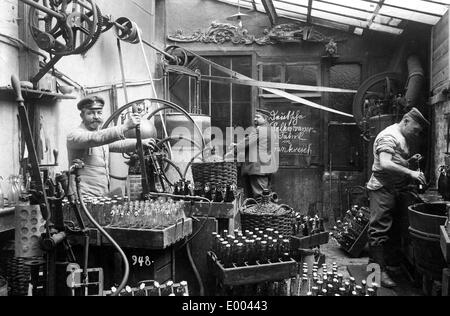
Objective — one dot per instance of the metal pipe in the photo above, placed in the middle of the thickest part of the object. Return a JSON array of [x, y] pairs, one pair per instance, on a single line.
[[43, 9], [416, 80], [160, 51]]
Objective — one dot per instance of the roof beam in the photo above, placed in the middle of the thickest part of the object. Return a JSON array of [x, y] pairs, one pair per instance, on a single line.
[[271, 11], [308, 19], [375, 13]]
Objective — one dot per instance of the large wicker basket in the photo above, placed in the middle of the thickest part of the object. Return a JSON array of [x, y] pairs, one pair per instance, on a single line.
[[251, 219], [215, 173]]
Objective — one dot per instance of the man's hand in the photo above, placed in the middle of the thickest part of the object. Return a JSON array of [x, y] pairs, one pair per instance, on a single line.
[[132, 121], [415, 159], [149, 143], [419, 176]]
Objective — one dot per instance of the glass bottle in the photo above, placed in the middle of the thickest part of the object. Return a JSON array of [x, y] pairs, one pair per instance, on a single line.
[[12, 191]]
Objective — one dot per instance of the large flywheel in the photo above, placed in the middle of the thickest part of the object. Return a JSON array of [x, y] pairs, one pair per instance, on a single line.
[[382, 94], [65, 27]]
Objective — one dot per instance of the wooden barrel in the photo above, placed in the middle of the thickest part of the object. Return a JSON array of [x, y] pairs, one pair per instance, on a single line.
[[3, 287], [425, 221]]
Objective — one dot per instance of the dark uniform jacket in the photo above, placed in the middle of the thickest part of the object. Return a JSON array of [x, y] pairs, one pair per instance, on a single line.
[[262, 151]]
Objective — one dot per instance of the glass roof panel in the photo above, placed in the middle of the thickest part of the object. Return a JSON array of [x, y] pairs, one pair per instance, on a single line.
[[341, 10], [344, 13], [387, 20], [356, 4], [339, 18], [384, 28], [446, 2], [297, 2], [409, 15], [290, 7], [419, 5]]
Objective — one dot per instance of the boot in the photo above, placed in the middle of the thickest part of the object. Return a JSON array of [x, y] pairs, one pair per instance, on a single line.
[[377, 256]]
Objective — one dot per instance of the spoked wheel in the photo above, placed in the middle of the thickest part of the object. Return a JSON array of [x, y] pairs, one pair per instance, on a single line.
[[162, 151], [65, 27], [378, 96]]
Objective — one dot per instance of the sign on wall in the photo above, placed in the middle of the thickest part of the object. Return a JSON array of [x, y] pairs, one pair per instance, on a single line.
[[299, 131]]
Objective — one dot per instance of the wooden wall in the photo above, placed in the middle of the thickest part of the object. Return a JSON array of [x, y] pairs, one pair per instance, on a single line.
[[440, 105]]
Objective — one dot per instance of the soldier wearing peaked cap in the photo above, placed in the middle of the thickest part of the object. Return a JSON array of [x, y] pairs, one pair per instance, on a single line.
[[389, 186], [261, 148], [93, 145]]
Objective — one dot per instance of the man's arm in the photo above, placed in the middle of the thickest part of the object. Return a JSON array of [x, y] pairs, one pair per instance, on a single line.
[[123, 146], [387, 164], [82, 139]]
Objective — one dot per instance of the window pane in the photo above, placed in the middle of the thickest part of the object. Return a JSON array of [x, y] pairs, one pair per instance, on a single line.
[[272, 73], [345, 76], [303, 75], [409, 15]]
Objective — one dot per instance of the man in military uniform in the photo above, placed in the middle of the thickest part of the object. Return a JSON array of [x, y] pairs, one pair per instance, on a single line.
[[92, 145], [262, 155], [390, 181]]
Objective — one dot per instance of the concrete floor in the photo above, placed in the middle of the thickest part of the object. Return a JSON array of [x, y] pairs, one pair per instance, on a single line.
[[334, 254]]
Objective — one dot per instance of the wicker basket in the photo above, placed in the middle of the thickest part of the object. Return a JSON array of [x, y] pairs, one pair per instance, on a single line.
[[283, 223], [215, 173]]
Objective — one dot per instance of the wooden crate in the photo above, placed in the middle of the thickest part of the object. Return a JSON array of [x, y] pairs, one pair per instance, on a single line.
[[357, 248], [227, 214], [445, 243], [153, 239], [6, 219], [251, 274], [308, 242], [218, 210]]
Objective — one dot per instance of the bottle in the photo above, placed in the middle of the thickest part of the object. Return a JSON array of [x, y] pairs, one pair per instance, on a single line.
[[187, 188], [218, 196], [12, 193], [141, 291], [199, 190], [184, 287], [229, 194], [208, 192]]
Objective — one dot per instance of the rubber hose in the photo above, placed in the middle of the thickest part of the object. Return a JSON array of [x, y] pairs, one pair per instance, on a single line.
[[194, 268], [111, 240]]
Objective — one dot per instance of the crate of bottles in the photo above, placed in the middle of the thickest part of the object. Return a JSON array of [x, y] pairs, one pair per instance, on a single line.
[[445, 242], [252, 273], [326, 280], [352, 232], [223, 202], [153, 288], [146, 224], [156, 238], [251, 257], [309, 232], [223, 210]]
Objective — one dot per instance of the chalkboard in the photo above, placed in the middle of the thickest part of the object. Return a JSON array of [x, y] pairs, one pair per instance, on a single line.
[[299, 130]]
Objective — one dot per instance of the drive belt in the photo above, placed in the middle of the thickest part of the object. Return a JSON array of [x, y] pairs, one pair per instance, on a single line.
[[271, 87]]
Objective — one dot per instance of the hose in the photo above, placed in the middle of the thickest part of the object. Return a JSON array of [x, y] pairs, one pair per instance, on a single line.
[[194, 268], [110, 239], [187, 243]]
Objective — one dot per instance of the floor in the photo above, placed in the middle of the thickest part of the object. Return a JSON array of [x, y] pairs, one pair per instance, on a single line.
[[356, 267]]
